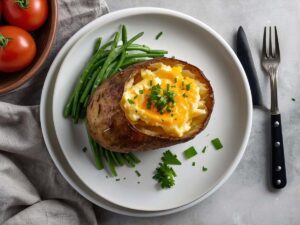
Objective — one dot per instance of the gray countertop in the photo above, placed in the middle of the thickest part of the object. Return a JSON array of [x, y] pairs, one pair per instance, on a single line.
[[246, 198]]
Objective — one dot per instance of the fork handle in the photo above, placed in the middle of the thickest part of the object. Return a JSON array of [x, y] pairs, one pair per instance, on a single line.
[[278, 163]]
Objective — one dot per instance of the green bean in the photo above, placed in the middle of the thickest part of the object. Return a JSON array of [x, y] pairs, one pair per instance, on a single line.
[[128, 160], [97, 45], [97, 159], [132, 61], [113, 55], [67, 109], [84, 76], [124, 34], [110, 164], [120, 158], [142, 55], [134, 158], [113, 157]]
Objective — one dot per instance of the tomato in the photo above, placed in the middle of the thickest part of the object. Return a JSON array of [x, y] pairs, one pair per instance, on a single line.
[[27, 14], [17, 49]]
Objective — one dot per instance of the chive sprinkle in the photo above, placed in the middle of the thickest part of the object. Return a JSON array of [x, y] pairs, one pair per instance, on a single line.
[[130, 101], [158, 35], [204, 169], [217, 143], [84, 149], [193, 164], [204, 149], [137, 173], [118, 179], [141, 92], [135, 97], [188, 87], [184, 95], [190, 152], [293, 99], [175, 80]]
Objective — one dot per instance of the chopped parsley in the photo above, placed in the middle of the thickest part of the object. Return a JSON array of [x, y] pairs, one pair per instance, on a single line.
[[158, 35], [217, 143], [164, 175], [141, 92], [190, 152], [188, 87], [204, 149], [137, 173], [204, 169], [170, 159], [130, 101], [84, 149]]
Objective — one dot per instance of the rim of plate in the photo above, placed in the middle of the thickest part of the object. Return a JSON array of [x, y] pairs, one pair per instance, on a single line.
[[152, 10]]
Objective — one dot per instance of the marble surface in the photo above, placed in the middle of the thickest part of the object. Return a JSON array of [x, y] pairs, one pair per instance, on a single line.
[[246, 198]]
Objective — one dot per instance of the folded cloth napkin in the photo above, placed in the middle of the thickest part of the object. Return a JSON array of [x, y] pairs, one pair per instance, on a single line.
[[32, 191]]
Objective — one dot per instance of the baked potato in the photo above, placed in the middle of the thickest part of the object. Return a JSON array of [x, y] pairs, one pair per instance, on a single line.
[[150, 105]]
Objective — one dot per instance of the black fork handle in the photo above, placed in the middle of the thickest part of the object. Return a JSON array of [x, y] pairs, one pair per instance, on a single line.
[[278, 163]]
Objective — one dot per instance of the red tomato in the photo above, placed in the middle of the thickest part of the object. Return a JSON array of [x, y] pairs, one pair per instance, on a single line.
[[17, 49], [27, 14]]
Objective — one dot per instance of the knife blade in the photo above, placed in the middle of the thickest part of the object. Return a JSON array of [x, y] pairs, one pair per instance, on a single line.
[[245, 57]]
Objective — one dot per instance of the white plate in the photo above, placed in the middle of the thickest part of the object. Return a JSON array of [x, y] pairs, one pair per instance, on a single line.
[[56, 152], [187, 39]]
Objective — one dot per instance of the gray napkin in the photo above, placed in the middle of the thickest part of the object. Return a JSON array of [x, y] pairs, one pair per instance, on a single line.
[[32, 191]]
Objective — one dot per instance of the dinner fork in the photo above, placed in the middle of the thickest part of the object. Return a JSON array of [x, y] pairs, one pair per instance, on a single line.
[[270, 61]]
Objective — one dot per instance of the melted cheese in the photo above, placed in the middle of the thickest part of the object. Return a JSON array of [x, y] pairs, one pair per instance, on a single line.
[[188, 102]]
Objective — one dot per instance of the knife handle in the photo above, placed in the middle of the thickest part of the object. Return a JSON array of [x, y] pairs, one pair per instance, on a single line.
[[278, 164]]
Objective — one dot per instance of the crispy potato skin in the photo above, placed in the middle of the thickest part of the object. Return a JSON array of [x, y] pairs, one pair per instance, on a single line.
[[108, 125]]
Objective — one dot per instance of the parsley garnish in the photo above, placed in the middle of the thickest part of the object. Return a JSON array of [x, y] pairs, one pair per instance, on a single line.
[[130, 101], [170, 158], [164, 175]]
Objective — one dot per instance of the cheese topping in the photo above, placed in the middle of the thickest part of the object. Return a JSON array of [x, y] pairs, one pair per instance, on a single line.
[[166, 97]]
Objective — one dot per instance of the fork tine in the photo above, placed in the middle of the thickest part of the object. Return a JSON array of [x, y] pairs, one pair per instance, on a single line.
[[277, 51], [270, 43], [264, 48]]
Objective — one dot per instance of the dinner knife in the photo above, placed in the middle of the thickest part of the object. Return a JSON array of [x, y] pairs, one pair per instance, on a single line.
[[245, 57]]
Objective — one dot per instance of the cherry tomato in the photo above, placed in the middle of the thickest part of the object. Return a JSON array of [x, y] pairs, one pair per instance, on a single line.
[[17, 49], [27, 14]]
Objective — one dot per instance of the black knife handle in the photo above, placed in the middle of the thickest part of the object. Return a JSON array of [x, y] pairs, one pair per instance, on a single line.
[[278, 163]]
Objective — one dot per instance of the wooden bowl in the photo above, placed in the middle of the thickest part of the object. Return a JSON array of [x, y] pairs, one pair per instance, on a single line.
[[44, 38]]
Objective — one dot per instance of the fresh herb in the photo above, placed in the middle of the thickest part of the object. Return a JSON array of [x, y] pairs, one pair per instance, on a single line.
[[137, 173], [84, 149], [293, 99], [168, 87], [118, 179], [170, 159], [217, 143], [135, 97], [175, 80], [164, 175], [204, 169], [158, 35], [193, 164], [182, 85], [150, 82], [188, 87], [190, 152], [185, 95], [130, 101], [141, 92], [204, 149], [161, 101]]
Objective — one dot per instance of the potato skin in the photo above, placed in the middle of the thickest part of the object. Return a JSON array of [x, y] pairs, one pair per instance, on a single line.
[[108, 125]]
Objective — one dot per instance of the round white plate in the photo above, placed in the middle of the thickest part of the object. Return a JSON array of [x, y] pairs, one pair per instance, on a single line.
[[188, 39], [56, 152]]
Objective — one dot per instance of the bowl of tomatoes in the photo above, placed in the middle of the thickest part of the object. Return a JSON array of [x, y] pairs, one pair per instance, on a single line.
[[27, 33]]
